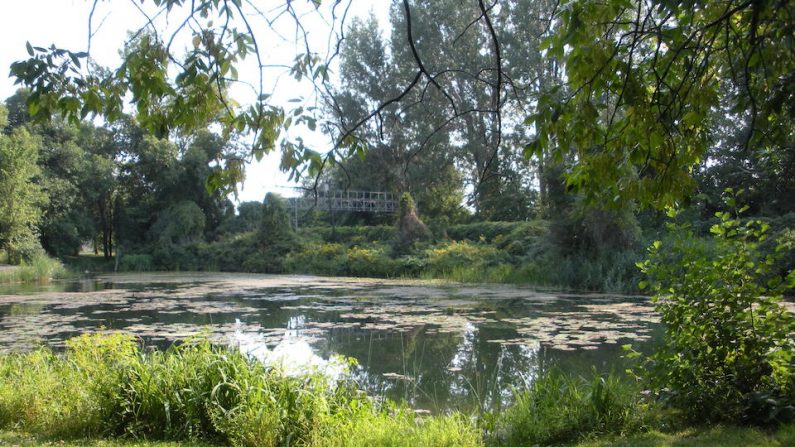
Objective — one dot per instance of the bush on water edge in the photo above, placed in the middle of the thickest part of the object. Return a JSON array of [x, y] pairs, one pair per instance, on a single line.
[[40, 268], [492, 252]]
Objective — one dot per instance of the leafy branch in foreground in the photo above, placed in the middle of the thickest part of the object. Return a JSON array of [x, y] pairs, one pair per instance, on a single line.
[[646, 81], [177, 92], [727, 354]]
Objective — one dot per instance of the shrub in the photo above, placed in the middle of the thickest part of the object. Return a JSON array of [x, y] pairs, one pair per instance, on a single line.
[[727, 353], [487, 230], [322, 259], [275, 237], [455, 255], [178, 224], [230, 253], [351, 235], [372, 262]]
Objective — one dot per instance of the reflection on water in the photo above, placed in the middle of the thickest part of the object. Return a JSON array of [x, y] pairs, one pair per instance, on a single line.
[[293, 356], [436, 347]]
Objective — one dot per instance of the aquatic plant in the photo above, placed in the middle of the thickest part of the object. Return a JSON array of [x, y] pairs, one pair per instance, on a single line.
[[40, 268]]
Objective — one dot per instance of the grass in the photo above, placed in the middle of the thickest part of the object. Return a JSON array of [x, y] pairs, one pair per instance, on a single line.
[[39, 269], [104, 386], [17, 439], [556, 408], [702, 437]]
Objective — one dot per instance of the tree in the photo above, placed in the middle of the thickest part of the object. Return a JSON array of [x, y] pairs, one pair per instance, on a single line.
[[642, 82], [448, 126], [646, 80], [275, 237], [248, 218], [399, 158], [21, 197], [175, 93]]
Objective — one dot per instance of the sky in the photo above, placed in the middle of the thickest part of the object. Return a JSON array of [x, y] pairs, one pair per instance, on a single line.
[[64, 23]]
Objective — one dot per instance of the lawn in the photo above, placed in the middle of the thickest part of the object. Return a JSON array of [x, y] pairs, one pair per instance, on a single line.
[[710, 437], [14, 439]]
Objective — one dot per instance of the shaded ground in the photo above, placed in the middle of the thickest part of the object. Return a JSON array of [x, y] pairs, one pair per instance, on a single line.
[[710, 437], [13, 439]]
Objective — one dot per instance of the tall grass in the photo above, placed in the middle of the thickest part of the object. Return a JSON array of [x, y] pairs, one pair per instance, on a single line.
[[105, 386], [39, 269], [556, 408]]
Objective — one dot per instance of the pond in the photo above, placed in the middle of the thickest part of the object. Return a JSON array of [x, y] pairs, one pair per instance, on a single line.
[[436, 346]]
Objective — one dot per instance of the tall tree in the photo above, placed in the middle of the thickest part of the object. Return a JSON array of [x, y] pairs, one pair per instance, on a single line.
[[21, 198], [402, 154]]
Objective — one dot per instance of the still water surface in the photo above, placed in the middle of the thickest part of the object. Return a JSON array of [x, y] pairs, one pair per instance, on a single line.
[[435, 346]]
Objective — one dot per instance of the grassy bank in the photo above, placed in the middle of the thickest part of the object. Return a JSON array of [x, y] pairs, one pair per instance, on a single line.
[[106, 390], [105, 387], [39, 269]]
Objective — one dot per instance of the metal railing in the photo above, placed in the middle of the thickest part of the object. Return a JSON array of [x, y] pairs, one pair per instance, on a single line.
[[350, 201], [357, 201]]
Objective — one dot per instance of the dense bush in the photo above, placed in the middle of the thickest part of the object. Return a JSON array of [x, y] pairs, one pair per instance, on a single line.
[[487, 231], [261, 251], [353, 235], [728, 349], [104, 386], [605, 271], [445, 259], [372, 262], [230, 253], [178, 224], [322, 259]]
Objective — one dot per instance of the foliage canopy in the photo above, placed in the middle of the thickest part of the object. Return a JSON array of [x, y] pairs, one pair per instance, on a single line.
[[644, 81]]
